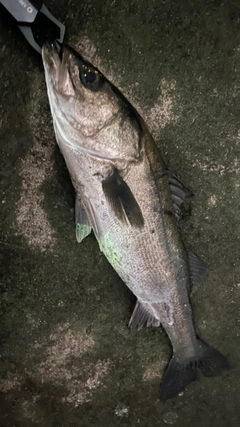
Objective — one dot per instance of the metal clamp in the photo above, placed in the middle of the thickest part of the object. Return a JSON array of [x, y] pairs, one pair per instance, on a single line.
[[35, 22]]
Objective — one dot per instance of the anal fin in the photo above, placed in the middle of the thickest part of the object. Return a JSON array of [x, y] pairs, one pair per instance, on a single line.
[[83, 226], [141, 317]]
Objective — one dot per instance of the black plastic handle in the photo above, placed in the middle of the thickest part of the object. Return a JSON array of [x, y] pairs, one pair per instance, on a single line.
[[24, 11], [36, 23]]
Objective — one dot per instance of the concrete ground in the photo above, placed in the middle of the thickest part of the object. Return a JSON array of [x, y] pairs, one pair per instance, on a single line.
[[67, 356]]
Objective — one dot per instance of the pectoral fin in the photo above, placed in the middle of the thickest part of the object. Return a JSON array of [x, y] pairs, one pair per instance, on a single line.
[[122, 201], [83, 227]]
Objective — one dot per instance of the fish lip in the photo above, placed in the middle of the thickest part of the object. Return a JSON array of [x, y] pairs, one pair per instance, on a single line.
[[50, 56], [56, 68]]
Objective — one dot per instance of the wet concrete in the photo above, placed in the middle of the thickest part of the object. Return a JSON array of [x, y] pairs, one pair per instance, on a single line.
[[67, 357]]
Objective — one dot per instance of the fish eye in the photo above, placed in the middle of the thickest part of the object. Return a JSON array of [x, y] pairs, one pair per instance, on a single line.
[[91, 79]]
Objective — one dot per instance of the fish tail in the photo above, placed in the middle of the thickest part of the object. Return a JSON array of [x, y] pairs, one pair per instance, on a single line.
[[180, 373]]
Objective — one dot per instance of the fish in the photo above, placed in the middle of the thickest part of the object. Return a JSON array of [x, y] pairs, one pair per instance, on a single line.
[[131, 201]]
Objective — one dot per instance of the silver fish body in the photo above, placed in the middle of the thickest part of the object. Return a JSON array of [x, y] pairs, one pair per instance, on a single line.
[[123, 194]]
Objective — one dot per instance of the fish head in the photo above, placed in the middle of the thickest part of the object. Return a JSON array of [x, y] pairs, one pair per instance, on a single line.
[[89, 113]]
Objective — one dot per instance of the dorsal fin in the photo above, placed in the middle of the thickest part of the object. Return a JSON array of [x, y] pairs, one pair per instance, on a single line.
[[179, 193], [198, 270]]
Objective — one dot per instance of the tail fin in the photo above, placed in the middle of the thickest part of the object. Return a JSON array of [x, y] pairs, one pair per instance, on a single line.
[[179, 374]]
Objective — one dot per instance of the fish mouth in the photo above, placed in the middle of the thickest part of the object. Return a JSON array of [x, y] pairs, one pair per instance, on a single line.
[[51, 61], [56, 68]]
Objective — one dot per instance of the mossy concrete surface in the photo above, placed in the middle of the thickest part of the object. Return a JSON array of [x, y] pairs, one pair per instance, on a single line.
[[67, 356]]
